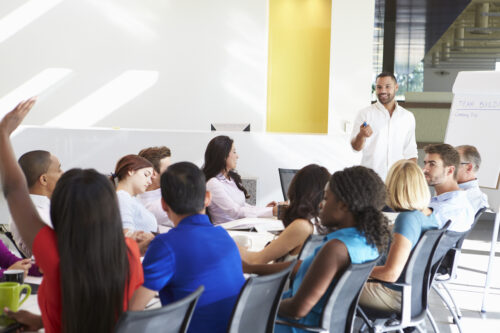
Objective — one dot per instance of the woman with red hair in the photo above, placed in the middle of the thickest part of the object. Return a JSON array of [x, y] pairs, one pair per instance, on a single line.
[[132, 176]]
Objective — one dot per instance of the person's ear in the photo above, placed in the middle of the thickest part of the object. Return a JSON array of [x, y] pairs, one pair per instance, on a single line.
[[131, 172], [469, 167], [396, 87], [343, 206], [167, 209], [43, 179], [208, 198], [451, 170]]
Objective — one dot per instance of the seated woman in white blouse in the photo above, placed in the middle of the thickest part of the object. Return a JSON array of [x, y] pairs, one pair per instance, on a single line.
[[228, 194], [300, 219], [132, 176]]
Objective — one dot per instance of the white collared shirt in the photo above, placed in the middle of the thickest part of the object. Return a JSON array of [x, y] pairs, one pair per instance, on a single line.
[[152, 201], [393, 138], [477, 198], [454, 206], [42, 205], [228, 202]]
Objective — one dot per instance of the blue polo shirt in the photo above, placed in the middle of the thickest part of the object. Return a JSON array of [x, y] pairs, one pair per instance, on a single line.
[[192, 254]]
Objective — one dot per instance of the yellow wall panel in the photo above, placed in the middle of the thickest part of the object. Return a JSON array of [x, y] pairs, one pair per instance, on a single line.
[[299, 66]]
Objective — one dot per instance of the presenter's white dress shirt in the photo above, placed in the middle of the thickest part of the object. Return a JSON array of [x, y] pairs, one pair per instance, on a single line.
[[393, 137], [152, 201], [228, 202]]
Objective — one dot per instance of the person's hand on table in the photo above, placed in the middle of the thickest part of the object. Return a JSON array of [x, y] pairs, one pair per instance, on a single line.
[[272, 204], [24, 264], [30, 321]]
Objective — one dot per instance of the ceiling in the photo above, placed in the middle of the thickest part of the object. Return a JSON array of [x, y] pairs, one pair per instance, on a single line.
[[472, 41], [423, 26]]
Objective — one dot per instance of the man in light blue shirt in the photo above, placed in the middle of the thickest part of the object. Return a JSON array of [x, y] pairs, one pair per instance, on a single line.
[[470, 160], [450, 203]]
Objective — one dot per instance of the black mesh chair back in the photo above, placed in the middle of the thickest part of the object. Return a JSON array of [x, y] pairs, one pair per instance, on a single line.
[[446, 266], [257, 305], [311, 243], [341, 300], [419, 270], [340, 308], [451, 246], [286, 176], [417, 276], [172, 318]]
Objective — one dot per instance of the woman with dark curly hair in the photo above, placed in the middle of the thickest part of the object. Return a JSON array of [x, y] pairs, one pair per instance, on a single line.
[[300, 218], [351, 207]]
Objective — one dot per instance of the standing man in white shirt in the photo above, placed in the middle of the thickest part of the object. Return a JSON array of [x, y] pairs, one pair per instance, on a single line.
[[386, 131], [470, 160], [151, 199], [42, 171]]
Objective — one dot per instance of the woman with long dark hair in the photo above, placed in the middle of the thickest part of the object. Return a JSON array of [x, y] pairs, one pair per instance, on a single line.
[[90, 270], [300, 218], [351, 208], [225, 185]]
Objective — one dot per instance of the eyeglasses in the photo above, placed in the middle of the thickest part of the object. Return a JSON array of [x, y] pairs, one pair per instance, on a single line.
[[465, 163]]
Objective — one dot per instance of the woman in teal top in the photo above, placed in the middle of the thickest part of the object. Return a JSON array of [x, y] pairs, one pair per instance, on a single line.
[[351, 206], [408, 194]]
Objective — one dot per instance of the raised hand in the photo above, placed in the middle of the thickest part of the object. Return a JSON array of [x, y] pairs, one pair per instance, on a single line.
[[12, 119]]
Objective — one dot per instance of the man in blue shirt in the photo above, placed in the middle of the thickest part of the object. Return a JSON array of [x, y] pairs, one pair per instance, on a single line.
[[193, 253], [470, 160], [450, 203]]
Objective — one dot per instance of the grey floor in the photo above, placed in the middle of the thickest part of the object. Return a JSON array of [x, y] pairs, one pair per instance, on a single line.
[[468, 288]]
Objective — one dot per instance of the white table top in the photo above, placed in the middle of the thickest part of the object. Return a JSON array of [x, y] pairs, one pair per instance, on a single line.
[[258, 223]]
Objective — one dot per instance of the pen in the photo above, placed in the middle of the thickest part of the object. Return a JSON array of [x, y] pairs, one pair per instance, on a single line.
[[365, 124]]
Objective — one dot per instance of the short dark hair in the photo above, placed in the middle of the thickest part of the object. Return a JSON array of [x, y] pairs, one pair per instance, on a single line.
[[448, 154], [155, 155], [387, 74], [183, 188], [34, 164], [471, 155]]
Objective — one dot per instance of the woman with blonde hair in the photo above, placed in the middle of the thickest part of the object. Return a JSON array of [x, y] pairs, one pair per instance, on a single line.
[[408, 194]]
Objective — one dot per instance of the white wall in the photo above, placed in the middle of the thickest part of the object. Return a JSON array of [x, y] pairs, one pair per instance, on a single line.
[[203, 61], [351, 65], [164, 64], [261, 154], [169, 65]]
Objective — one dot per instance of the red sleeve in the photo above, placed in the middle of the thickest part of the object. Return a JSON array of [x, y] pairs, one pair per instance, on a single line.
[[45, 251], [136, 277]]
